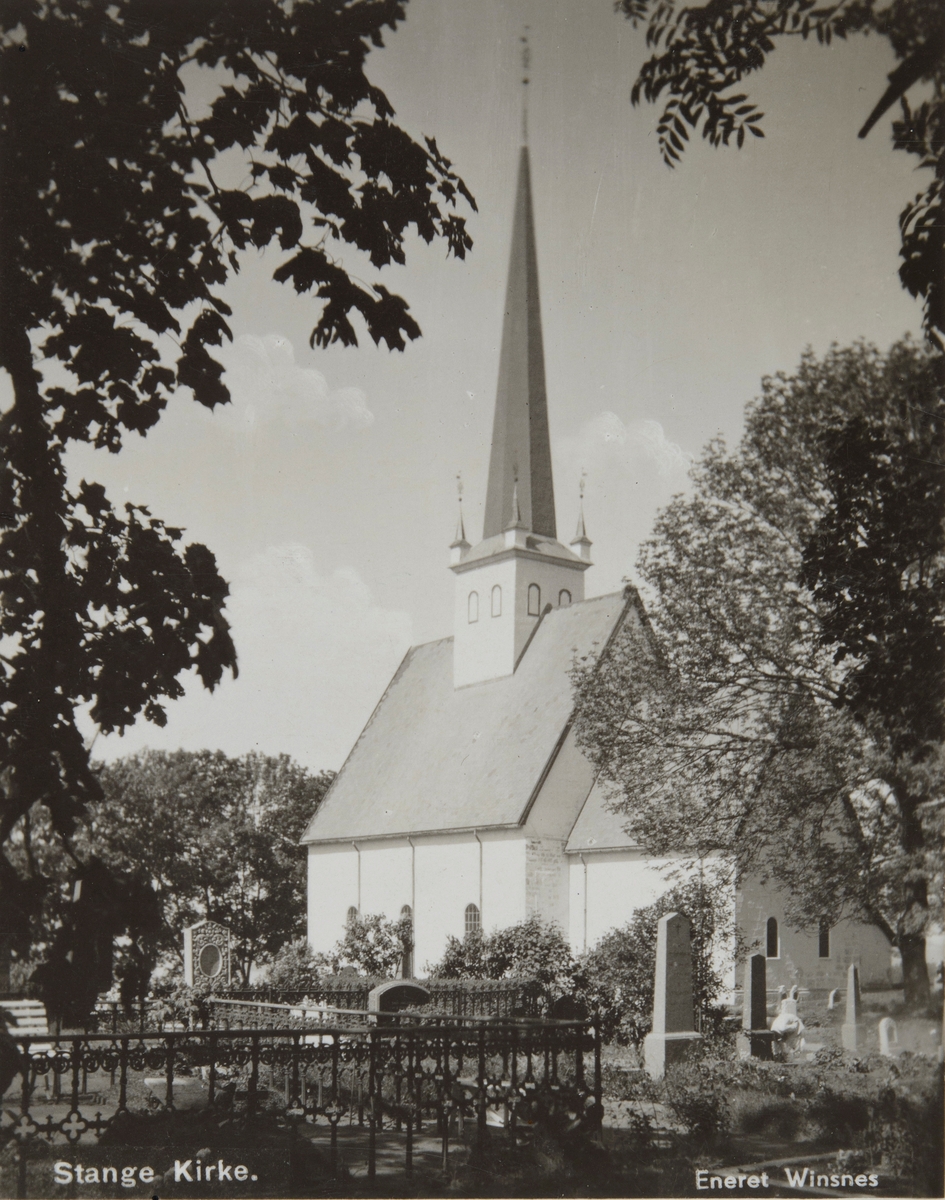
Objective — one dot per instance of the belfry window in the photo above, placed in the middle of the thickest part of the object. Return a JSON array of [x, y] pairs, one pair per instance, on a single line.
[[497, 601], [352, 915], [823, 941], [772, 948], [564, 598], [473, 923], [473, 607], [534, 599]]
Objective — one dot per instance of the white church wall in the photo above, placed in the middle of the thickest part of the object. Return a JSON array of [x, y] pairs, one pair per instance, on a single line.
[[448, 878], [332, 890], [386, 883], [503, 879], [618, 882], [798, 958]]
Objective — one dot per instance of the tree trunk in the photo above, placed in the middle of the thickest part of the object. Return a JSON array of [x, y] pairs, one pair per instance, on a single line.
[[915, 975]]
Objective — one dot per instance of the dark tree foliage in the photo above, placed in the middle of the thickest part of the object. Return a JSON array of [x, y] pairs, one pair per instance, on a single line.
[[703, 53], [785, 704], [120, 224], [216, 837]]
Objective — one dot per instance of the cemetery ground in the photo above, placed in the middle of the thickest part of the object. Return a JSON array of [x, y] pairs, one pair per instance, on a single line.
[[871, 1120]]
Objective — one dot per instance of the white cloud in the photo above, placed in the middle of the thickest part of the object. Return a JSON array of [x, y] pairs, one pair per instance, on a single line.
[[315, 653], [606, 438], [267, 384], [632, 471]]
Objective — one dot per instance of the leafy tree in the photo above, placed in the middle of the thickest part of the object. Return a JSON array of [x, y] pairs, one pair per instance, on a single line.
[[121, 220], [766, 712], [703, 53], [616, 976], [218, 837]]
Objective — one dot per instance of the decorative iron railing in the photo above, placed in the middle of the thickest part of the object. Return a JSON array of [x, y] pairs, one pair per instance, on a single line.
[[435, 1076], [503, 998]]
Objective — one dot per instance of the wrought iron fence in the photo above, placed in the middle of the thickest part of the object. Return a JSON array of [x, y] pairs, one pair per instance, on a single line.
[[438, 1076], [504, 998]]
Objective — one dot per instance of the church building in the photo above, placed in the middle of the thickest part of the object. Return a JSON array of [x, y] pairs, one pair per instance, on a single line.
[[466, 803]]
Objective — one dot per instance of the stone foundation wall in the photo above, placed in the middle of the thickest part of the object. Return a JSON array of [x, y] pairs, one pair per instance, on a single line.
[[546, 881]]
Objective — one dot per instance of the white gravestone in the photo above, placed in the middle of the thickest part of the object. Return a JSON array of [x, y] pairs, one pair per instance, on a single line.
[[888, 1038], [673, 1025]]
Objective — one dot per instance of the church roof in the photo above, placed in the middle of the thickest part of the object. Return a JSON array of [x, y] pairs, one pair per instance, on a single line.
[[598, 827], [436, 759], [521, 448]]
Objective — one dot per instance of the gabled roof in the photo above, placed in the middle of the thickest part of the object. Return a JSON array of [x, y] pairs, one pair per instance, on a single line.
[[435, 759], [598, 827]]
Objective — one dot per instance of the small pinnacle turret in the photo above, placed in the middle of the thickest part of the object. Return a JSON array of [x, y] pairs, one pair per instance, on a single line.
[[581, 542]]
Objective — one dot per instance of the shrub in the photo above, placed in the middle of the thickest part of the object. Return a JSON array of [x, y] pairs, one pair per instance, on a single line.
[[373, 945], [294, 967], [531, 949], [616, 976]]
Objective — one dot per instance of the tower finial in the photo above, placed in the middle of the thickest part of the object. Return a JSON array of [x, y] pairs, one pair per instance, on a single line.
[[526, 62], [516, 522], [460, 542], [581, 541]]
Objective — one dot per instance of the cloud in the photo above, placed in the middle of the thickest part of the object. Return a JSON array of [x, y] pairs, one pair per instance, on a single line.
[[267, 385], [315, 653], [632, 471], [606, 437]]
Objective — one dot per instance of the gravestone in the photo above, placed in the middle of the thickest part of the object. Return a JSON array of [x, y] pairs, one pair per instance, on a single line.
[[889, 1038], [673, 1025], [851, 1032], [394, 997], [568, 1008], [833, 999], [754, 1010], [206, 953]]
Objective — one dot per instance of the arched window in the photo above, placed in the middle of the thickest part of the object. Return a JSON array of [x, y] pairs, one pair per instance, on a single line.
[[406, 966], [473, 607], [497, 601], [564, 598], [823, 943], [772, 950], [473, 920], [534, 599], [352, 915]]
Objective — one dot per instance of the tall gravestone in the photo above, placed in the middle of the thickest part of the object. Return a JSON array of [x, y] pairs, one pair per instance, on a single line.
[[755, 1010], [207, 956], [673, 1025], [851, 1032]]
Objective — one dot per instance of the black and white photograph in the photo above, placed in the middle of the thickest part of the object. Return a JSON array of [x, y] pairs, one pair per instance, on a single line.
[[472, 623]]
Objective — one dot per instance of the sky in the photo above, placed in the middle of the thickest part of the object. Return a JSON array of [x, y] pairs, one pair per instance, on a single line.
[[327, 489]]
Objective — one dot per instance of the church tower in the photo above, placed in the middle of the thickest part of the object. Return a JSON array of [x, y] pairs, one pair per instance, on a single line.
[[519, 569]]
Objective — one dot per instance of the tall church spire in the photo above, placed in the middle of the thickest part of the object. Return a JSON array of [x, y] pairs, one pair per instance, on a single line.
[[521, 448]]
